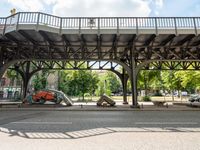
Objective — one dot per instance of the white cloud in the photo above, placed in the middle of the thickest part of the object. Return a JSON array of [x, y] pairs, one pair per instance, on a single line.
[[90, 7], [31, 5], [27, 5], [159, 3], [102, 8], [158, 6], [48, 2]]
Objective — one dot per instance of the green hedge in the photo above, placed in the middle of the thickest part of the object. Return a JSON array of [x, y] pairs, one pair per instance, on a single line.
[[146, 98]]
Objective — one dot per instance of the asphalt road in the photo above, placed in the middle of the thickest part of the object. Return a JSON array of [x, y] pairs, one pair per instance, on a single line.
[[100, 130]]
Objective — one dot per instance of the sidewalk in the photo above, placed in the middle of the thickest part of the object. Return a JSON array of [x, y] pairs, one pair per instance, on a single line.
[[144, 106]]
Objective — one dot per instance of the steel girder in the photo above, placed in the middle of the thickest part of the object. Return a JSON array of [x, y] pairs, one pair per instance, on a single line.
[[28, 68], [172, 65], [68, 65]]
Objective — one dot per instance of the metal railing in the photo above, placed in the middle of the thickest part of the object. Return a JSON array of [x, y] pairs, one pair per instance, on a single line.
[[156, 23], [2, 23]]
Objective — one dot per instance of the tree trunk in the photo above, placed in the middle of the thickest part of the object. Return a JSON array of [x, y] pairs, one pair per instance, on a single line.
[[83, 96], [146, 93], [179, 93], [145, 85], [172, 92]]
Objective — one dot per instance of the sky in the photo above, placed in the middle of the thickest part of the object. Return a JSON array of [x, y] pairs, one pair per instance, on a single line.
[[112, 8]]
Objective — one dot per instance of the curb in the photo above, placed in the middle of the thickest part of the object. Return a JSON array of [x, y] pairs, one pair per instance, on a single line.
[[100, 109]]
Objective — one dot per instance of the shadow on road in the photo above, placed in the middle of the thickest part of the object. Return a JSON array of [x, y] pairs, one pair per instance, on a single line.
[[89, 132], [75, 125]]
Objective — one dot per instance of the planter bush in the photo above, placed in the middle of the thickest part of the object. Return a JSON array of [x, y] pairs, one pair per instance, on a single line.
[[146, 98]]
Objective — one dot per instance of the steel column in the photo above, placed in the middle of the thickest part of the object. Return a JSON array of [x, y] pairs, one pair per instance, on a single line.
[[134, 72], [25, 85], [26, 76], [134, 84], [1, 63], [124, 85]]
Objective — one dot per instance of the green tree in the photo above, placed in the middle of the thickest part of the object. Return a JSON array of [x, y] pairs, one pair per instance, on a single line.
[[86, 81], [40, 80], [189, 80], [113, 82], [146, 80], [12, 75], [78, 82], [103, 87], [62, 81], [171, 82]]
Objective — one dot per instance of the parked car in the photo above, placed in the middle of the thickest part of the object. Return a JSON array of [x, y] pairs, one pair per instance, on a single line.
[[194, 98]]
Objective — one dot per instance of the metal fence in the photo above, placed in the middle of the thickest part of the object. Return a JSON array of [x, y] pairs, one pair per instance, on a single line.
[[38, 18]]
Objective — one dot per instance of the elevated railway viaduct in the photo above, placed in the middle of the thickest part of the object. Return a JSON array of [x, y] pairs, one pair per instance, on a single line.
[[51, 42]]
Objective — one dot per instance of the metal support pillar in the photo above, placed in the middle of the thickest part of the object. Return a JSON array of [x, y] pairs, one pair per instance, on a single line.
[[25, 85], [134, 85], [124, 85], [133, 78], [1, 64], [1, 72], [26, 77]]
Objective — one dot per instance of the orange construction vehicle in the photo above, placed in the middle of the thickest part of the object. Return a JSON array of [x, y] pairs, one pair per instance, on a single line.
[[47, 95]]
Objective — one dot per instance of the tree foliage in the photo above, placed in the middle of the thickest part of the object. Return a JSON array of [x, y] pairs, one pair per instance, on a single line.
[[12, 75], [148, 79], [113, 82], [109, 83], [40, 80], [78, 82]]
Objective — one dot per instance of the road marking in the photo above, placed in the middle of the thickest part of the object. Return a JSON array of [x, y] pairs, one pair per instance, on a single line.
[[42, 123], [173, 123]]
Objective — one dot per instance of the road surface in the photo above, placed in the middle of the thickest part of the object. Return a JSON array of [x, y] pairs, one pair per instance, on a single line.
[[108, 130]]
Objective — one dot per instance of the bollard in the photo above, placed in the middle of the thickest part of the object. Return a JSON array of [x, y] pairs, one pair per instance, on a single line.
[[167, 105]]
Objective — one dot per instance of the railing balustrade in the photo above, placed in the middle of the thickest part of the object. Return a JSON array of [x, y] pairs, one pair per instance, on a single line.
[[165, 23], [127, 23], [108, 22], [48, 20], [99, 22], [28, 18], [70, 23], [184, 22], [2, 20], [2, 24], [197, 22]]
